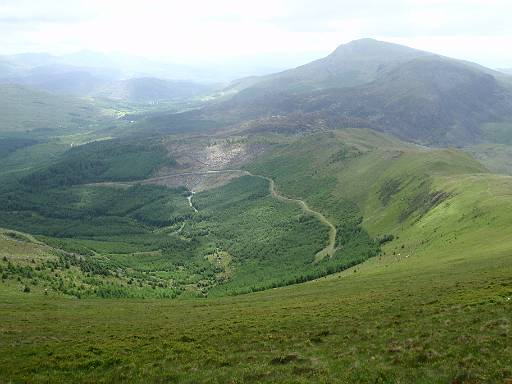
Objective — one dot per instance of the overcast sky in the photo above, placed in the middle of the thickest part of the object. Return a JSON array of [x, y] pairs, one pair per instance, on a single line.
[[279, 30]]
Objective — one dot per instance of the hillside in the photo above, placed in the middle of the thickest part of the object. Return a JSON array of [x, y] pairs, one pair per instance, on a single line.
[[387, 180], [433, 299], [428, 100], [234, 192], [413, 314], [279, 213], [23, 109], [414, 95]]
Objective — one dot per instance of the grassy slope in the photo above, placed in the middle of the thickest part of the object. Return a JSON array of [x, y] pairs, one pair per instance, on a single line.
[[434, 317], [435, 307], [333, 168]]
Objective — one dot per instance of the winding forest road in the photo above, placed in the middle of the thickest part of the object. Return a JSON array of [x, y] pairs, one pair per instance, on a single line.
[[331, 245], [327, 251]]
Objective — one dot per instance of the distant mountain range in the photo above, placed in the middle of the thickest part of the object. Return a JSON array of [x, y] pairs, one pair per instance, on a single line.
[[148, 89], [116, 66], [415, 95], [63, 75]]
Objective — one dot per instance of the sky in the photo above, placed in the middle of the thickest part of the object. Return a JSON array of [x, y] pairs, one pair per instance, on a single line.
[[276, 32]]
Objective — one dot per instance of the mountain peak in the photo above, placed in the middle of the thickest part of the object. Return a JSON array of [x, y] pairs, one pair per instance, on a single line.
[[365, 40], [371, 47], [355, 63]]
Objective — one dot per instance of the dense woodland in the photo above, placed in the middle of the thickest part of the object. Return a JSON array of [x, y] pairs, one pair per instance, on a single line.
[[240, 240], [108, 160]]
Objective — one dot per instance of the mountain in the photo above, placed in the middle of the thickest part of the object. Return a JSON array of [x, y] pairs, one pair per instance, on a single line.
[[508, 71], [66, 79], [8, 69], [415, 95], [121, 65], [49, 73], [91, 74], [355, 63], [87, 73], [429, 100], [149, 90]]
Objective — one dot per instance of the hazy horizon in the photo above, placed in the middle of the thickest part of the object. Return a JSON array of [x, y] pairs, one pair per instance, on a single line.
[[276, 34]]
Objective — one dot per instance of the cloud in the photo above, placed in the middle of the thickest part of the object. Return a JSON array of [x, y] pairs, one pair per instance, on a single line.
[[47, 11], [223, 29]]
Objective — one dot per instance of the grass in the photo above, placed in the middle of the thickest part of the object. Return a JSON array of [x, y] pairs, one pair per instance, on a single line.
[[432, 318], [353, 185], [434, 306]]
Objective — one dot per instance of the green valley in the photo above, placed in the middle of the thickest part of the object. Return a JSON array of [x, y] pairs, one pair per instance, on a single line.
[[346, 221]]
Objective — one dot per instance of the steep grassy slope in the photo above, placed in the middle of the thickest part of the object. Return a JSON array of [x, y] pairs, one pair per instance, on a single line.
[[434, 306], [387, 181], [430, 313]]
